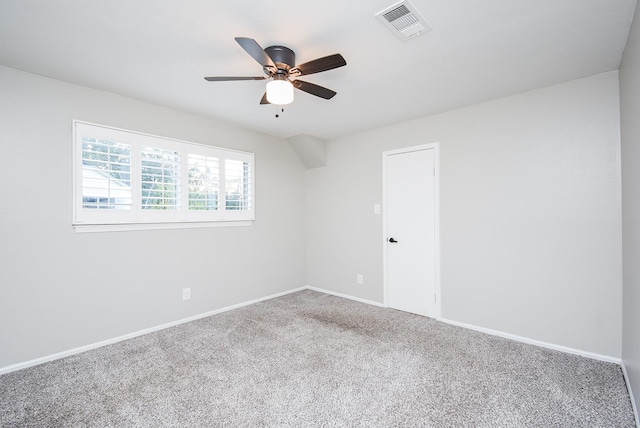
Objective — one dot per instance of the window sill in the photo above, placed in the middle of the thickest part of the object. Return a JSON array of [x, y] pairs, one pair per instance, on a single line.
[[95, 228]]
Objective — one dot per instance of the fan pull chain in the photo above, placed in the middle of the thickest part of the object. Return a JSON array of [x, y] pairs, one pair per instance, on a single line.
[[281, 111]]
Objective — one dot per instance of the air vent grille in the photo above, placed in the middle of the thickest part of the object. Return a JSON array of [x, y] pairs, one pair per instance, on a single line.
[[396, 13], [404, 20]]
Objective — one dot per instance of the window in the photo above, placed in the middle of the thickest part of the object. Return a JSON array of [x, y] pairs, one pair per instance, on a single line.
[[204, 182], [160, 179], [106, 174], [130, 180], [237, 179]]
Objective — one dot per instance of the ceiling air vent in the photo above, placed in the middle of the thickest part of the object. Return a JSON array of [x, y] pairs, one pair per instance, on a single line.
[[404, 20]]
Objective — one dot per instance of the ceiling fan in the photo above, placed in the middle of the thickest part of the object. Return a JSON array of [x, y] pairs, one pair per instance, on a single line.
[[278, 64]]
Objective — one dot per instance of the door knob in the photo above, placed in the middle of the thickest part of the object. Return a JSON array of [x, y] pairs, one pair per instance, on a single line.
[[392, 240]]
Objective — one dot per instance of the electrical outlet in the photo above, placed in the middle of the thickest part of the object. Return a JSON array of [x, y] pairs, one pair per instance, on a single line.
[[360, 279], [186, 293]]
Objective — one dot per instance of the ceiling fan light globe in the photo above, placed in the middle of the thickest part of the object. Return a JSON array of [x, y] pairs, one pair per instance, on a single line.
[[280, 92]]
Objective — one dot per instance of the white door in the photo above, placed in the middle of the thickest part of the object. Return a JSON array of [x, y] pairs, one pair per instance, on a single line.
[[410, 220]]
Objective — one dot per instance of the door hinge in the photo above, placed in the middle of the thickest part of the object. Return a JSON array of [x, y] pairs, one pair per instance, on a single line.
[[435, 298]]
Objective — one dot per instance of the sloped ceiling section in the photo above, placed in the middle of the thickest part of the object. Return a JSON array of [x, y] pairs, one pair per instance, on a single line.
[[160, 50], [311, 151]]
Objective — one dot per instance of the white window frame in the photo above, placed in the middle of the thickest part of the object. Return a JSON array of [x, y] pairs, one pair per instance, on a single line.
[[98, 220]]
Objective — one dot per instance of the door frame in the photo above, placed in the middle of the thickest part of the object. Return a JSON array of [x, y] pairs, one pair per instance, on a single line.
[[436, 152]]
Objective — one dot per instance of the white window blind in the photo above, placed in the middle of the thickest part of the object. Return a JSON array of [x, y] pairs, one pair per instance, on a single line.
[[237, 184], [106, 174], [124, 177], [160, 171], [204, 182]]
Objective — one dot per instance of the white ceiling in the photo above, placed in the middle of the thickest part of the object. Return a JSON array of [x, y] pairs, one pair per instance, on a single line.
[[160, 50]]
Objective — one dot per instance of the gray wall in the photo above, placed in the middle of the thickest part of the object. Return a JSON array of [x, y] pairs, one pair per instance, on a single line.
[[630, 134], [60, 290], [530, 220], [530, 213]]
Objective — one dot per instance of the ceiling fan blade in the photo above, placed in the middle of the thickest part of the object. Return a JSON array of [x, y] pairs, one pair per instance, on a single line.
[[264, 99], [230, 78], [317, 65], [255, 50], [313, 89]]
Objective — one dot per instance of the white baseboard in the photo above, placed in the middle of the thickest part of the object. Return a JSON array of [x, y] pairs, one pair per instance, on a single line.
[[517, 338], [345, 296], [529, 341], [36, 361], [633, 402]]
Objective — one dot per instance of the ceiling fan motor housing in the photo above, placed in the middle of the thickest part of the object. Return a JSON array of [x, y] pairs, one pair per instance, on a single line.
[[284, 57]]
